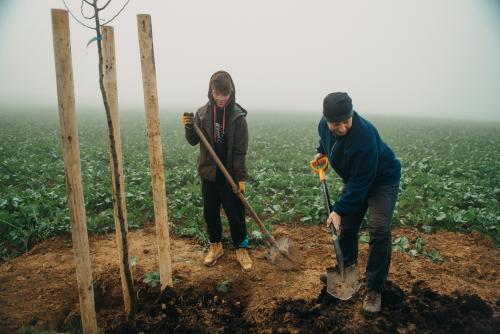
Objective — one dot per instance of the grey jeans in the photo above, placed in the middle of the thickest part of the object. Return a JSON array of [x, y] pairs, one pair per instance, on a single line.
[[380, 204]]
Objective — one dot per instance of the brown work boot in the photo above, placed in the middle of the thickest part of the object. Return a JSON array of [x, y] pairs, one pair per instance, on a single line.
[[244, 259], [214, 253], [372, 303]]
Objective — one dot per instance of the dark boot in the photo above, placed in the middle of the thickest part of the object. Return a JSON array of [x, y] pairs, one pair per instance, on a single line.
[[372, 303]]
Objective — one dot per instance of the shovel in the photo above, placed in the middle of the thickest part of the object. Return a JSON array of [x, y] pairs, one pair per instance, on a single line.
[[341, 283], [283, 252]]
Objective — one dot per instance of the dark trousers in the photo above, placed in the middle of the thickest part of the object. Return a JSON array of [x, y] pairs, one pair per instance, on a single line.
[[220, 193], [380, 206]]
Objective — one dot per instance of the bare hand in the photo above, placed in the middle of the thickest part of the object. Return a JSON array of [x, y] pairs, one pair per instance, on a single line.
[[335, 220], [318, 156]]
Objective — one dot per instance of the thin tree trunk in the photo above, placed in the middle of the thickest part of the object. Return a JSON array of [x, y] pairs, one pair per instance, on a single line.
[[130, 309]]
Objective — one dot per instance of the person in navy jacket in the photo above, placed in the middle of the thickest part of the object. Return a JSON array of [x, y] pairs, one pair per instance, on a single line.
[[370, 173]]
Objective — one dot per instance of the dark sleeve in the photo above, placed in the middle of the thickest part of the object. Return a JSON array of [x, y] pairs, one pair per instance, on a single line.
[[191, 135], [240, 150], [320, 148], [363, 172]]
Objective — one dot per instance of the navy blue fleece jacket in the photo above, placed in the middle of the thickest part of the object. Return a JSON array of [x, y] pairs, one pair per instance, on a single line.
[[361, 159]]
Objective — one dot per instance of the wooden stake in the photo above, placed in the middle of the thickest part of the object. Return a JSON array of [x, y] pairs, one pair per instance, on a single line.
[[121, 228], [155, 147], [72, 167]]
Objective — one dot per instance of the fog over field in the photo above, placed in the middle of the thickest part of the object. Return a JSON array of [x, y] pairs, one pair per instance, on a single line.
[[417, 58]]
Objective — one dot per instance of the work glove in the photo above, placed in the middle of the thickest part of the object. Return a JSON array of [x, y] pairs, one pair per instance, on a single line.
[[187, 119], [241, 186]]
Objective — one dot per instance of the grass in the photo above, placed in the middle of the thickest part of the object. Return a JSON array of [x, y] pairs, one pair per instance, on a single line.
[[450, 175]]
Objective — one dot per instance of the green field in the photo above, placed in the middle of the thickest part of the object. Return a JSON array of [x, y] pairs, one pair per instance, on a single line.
[[450, 179]]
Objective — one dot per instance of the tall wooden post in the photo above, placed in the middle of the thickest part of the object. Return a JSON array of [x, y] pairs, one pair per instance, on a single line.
[[108, 48], [72, 168], [155, 148]]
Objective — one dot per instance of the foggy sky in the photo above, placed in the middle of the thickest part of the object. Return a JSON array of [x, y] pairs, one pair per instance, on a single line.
[[425, 58]]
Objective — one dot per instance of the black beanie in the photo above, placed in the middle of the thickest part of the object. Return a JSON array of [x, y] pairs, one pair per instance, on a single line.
[[337, 107]]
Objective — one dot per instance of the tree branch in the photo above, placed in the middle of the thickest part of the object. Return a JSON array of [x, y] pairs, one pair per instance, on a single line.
[[73, 16], [83, 15], [125, 5], [106, 5]]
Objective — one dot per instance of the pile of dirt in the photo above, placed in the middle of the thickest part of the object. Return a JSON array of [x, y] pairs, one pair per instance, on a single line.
[[421, 311]]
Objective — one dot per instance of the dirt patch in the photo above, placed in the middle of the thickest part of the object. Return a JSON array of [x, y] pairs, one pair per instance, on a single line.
[[420, 311], [187, 313], [39, 288]]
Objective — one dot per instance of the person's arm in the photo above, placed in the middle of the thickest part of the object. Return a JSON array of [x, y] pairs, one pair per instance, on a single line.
[[240, 150], [189, 132], [364, 164], [320, 151]]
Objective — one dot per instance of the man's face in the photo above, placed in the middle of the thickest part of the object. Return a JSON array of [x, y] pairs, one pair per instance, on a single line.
[[340, 128], [220, 99]]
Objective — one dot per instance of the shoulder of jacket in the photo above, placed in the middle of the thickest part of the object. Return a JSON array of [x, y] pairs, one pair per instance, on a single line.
[[203, 109], [366, 129], [362, 139], [240, 121], [239, 110], [322, 124]]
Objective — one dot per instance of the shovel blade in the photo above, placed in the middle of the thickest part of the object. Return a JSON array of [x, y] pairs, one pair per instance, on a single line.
[[343, 289], [285, 256]]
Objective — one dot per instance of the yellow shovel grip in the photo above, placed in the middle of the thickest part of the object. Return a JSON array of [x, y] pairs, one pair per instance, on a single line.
[[319, 167]]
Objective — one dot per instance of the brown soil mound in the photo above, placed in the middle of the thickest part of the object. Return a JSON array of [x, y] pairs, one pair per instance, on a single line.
[[420, 311], [39, 288]]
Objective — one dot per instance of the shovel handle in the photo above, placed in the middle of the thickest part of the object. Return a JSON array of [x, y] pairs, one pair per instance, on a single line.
[[326, 196], [335, 238], [233, 185]]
